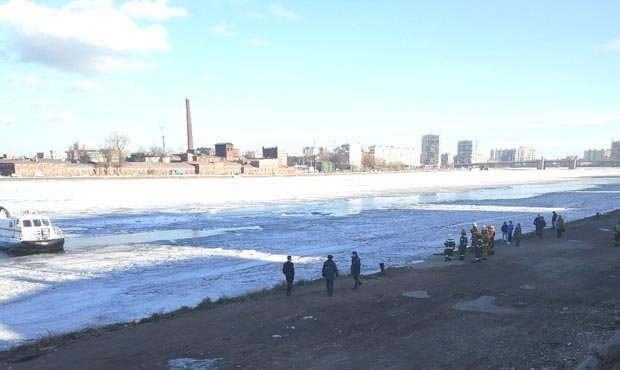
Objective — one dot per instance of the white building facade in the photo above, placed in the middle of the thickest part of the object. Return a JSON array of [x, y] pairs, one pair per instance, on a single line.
[[394, 155]]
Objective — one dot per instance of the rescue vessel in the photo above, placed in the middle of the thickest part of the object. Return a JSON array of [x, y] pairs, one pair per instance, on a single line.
[[29, 233]]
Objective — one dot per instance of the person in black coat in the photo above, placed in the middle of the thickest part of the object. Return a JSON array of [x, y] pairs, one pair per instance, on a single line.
[[329, 273], [554, 219], [540, 224], [356, 267], [288, 269]]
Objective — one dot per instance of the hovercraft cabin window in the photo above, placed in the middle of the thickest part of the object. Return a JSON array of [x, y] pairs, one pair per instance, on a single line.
[[46, 222], [27, 223], [37, 222]]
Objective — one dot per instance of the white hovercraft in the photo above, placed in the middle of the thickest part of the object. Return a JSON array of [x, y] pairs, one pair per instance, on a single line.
[[29, 233]]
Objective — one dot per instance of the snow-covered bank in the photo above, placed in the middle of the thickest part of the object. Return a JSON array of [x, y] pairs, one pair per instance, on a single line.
[[128, 261]]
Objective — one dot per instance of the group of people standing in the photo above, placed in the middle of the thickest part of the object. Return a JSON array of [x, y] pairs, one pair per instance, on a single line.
[[557, 223], [483, 239], [329, 273], [482, 244]]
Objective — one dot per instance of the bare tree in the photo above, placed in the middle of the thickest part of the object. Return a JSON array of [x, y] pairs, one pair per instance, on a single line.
[[115, 149]]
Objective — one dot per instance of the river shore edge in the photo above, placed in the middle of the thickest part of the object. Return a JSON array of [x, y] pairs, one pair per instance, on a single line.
[[30, 352]]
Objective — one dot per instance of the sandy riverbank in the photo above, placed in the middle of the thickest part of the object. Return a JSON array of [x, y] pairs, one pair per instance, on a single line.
[[544, 305]]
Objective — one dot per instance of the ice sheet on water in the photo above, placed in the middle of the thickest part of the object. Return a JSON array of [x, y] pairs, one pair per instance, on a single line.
[[61, 198], [394, 219], [193, 364]]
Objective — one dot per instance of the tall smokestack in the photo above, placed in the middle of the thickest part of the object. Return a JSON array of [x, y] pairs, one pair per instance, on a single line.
[[190, 135]]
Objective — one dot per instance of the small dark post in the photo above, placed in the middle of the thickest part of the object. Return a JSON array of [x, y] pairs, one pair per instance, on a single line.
[[382, 267]]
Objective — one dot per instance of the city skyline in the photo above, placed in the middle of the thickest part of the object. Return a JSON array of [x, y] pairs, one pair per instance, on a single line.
[[262, 73]]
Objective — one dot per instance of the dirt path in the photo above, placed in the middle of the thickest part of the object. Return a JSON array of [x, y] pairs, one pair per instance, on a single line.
[[543, 305]]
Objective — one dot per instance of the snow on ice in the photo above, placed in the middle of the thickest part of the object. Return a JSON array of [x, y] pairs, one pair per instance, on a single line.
[[136, 247]]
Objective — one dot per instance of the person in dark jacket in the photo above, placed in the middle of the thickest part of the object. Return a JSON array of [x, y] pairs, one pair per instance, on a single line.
[[504, 230], [540, 224], [288, 269], [356, 267], [554, 219], [518, 234], [330, 273], [559, 226], [474, 232], [478, 246], [449, 246], [511, 229], [463, 244], [617, 234]]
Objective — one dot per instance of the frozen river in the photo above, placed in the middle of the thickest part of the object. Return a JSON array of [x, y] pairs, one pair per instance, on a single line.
[[141, 246]]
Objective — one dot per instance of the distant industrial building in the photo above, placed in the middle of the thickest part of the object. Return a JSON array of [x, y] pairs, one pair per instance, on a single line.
[[278, 153], [225, 150], [394, 155], [429, 151]]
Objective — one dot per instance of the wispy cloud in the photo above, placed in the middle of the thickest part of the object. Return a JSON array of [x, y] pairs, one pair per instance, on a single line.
[[223, 29], [84, 86], [30, 81], [157, 9], [209, 77], [613, 45], [566, 119], [255, 15], [255, 41], [280, 11], [6, 101], [88, 36], [44, 104], [239, 2], [56, 116], [6, 122]]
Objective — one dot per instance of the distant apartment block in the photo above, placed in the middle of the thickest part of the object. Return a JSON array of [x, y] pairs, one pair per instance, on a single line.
[[615, 150], [429, 151], [503, 155], [447, 160], [394, 155], [525, 154], [348, 157], [479, 158], [597, 155], [464, 152]]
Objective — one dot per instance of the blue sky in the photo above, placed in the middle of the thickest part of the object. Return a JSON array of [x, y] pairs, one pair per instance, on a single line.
[[262, 73]]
